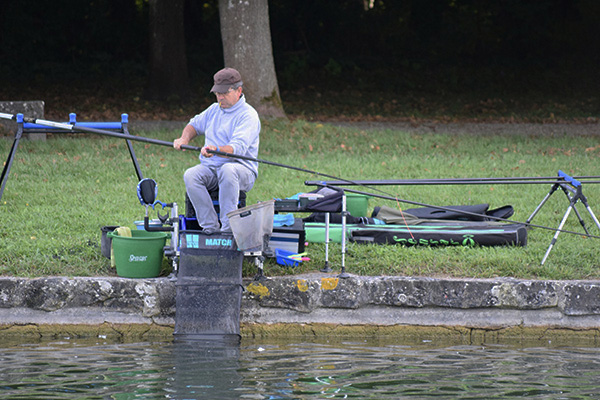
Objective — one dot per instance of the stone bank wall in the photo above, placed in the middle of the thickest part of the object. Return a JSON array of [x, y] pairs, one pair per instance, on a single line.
[[311, 300]]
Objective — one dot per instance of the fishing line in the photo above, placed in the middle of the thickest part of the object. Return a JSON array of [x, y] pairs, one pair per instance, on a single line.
[[403, 218], [389, 196]]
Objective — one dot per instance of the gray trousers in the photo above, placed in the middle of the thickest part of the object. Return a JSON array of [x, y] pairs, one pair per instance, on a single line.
[[229, 178]]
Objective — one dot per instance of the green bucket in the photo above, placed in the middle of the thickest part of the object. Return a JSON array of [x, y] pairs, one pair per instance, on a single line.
[[357, 204], [138, 256]]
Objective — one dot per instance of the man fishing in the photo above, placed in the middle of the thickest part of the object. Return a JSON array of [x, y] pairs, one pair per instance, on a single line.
[[229, 126]]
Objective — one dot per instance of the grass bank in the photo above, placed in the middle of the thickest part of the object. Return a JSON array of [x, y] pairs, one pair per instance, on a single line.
[[62, 191]]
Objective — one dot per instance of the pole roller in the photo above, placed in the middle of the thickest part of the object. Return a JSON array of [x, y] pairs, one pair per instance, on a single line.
[[79, 128]]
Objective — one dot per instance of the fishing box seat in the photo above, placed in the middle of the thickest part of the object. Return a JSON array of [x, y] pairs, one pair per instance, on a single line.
[[214, 196]]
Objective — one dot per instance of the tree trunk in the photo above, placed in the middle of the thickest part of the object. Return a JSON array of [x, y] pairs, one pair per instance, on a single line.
[[246, 36], [168, 62]]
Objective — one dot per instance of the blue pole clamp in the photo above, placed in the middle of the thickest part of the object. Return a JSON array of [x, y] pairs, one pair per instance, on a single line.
[[162, 204], [569, 179]]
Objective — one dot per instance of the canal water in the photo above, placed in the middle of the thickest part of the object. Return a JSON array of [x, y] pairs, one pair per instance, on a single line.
[[295, 369]]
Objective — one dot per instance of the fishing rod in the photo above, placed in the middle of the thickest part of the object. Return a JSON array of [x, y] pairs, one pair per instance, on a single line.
[[461, 181], [77, 128], [426, 182]]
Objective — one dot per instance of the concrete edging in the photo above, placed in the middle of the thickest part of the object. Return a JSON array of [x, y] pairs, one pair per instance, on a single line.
[[310, 300]]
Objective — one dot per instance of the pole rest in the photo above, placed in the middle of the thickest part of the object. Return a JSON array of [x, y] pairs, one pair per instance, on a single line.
[[72, 118], [572, 181], [124, 118], [19, 118]]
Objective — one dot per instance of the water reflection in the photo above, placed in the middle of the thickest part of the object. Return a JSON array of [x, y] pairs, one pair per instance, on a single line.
[[294, 369], [204, 369]]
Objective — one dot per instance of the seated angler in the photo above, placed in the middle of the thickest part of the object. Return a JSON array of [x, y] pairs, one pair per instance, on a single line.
[[229, 126]]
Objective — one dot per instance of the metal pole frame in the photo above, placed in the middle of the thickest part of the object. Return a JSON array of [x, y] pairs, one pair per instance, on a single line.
[[11, 154], [73, 127], [577, 196]]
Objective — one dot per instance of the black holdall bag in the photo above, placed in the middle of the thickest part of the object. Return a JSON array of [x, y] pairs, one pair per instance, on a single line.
[[454, 213]]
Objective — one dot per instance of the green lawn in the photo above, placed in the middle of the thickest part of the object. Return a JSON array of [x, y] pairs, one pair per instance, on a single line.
[[61, 192]]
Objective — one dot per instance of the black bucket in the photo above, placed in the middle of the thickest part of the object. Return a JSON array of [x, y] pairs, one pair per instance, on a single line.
[[209, 287], [105, 241]]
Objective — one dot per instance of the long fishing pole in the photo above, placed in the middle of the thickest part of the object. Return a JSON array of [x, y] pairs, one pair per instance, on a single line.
[[440, 182], [459, 181], [76, 128]]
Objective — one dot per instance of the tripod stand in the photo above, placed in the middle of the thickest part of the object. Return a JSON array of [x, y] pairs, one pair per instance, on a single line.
[[572, 189]]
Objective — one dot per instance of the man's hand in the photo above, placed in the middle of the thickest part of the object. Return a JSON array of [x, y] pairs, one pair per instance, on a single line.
[[205, 153], [188, 133], [179, 142]]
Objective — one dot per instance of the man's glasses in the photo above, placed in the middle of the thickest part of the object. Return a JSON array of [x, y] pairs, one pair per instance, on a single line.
[[223, 94]]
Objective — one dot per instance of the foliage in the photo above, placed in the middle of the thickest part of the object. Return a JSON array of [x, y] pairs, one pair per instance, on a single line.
[[399, 60], [458, 45], [61, 192]]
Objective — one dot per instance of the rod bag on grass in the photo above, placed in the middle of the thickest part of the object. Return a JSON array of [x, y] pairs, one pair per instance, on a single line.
[[445, 235]]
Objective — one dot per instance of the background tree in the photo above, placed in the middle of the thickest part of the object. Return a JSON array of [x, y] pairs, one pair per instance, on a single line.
[[392, 58], [246, 36], [168, 62]]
